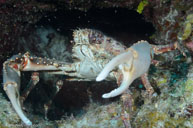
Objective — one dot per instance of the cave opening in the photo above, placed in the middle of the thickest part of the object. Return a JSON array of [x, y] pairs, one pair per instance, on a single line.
[[123, 25]]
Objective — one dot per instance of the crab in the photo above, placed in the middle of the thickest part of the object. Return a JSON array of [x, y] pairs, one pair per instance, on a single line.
[[95, 57]]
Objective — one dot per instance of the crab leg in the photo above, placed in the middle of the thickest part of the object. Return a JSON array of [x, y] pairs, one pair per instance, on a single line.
[[11, 77], [127, 103], [33, 82], [149, 88], [58, 86], [164, 48], [11, 83], [39, 64]]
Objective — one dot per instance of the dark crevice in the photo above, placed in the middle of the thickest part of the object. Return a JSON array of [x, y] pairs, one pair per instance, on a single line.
[[123, 24]]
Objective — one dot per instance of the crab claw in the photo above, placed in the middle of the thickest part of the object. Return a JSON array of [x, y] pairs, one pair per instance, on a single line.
[[133, 63], [11, 84], [118, 60], [113, 63]]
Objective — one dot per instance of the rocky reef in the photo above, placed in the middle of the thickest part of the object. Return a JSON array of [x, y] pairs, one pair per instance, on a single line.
[[44, 28]]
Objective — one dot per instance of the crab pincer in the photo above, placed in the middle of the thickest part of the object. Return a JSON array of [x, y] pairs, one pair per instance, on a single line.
[[11, 84], [133, 63]]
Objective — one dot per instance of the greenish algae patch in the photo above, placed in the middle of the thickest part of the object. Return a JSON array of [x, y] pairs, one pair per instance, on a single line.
[[187, 31], [141, 6], [188, 25]]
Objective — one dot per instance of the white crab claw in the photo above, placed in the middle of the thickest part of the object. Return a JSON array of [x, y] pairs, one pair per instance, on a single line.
[[127, 80], [133, 63], [11, 83], [113, 63], [13, 95]]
